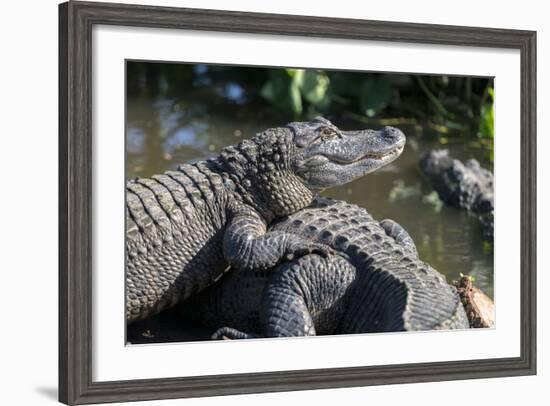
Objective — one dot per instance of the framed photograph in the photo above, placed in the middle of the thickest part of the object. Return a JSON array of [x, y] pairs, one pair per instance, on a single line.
[[260, 202]]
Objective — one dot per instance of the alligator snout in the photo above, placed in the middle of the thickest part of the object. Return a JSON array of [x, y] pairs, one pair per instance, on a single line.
[[330, 157], [393, 136]]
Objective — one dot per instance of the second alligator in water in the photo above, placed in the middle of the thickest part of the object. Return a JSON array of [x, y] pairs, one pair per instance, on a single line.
[[466, 185], [375, 283]]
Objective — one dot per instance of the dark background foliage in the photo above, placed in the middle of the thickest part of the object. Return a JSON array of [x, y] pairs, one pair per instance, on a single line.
[[447, 107]]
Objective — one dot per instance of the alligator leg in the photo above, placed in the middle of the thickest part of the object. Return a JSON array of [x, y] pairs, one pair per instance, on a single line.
[[247, 244], [400, 235], [303, 297], [306, 297]]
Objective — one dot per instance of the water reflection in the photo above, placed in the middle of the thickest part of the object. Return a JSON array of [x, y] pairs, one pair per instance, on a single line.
[[164, 130]]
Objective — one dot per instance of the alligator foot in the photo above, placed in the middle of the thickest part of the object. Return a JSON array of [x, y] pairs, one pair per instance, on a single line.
[[298, 247], [228, 333]]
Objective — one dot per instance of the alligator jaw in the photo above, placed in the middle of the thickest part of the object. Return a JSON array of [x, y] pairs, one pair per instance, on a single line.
[[371, 162], [384, 156]]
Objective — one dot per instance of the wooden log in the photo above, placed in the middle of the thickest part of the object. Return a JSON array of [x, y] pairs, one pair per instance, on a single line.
[[480, 309]]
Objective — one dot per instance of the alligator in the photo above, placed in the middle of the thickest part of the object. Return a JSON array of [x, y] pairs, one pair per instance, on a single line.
[[466, 185], [185, 227], [373, 282]]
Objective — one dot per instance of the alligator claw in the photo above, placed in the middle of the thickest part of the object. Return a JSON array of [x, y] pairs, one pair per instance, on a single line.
[[302, 248], [228, 333], [322, 250]]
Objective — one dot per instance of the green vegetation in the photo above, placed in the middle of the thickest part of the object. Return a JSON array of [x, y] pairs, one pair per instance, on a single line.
[[487, 116], [451, 108], [448, 105], [290, 89]]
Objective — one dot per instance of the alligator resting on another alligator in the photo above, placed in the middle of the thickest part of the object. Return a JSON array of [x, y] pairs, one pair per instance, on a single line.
[[466, 185], [375, 282], [185, 227]]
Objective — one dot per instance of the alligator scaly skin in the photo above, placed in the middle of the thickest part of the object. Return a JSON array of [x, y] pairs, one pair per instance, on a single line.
[[374, 283], [465, 185], [185, 227]]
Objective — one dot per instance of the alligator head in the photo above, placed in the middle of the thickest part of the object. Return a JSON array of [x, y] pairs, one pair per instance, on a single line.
[[327, 156], [280, 170]]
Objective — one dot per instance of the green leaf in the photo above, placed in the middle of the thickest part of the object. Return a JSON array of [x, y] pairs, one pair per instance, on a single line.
[[315, 86], [487, 121], [268, 91], [487, 117], [283, 90], [295, 99], [375, 96], [275, 89], [346, 84], [487, 247]]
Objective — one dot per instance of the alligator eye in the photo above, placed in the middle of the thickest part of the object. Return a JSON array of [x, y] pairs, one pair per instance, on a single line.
[[328, 133]]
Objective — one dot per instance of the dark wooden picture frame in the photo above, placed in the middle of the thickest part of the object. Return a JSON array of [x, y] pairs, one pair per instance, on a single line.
[[76, 20]]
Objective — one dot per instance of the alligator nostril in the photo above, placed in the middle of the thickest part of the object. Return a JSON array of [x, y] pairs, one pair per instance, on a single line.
[[393, 134], [388, 132]]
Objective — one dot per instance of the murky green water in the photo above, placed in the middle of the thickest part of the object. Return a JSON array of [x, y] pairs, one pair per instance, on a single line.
[[161, 133]]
